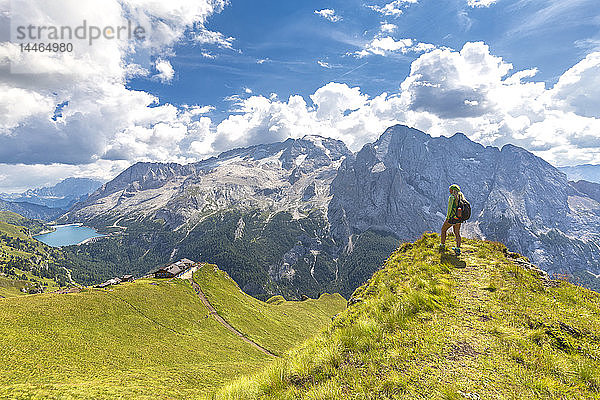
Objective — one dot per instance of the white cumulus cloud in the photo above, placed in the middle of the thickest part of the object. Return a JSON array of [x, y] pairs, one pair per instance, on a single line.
[[329, 14], [447, 91], [472, 91], [392, 9], [102, 121], [480, 3], [386, 27], [575, 90], [384, 45], [165, 71], [100, 116]]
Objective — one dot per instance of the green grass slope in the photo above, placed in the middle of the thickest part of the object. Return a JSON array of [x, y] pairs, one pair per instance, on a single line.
[[23, 283], [27, 265], [149, 339], [35, 226], [431, 325], [277, 325], [14, 287]]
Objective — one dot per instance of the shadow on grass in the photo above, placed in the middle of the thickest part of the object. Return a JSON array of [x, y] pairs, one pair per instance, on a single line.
[[452, 259]]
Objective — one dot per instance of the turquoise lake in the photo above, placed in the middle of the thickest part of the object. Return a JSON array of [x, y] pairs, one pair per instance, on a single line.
[[66, 235]]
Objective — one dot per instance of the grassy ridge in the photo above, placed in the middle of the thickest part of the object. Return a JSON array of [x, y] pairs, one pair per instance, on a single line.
[[34, 226], [430, 325], [143, 340], [276, 325]]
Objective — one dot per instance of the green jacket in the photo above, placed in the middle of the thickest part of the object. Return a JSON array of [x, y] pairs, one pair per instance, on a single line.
[[452, 206]]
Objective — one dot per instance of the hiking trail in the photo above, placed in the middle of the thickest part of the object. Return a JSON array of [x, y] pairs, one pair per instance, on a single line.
[[222, 321]]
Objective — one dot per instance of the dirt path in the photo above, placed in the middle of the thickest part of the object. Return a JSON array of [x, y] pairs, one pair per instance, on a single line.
[[220, 319]]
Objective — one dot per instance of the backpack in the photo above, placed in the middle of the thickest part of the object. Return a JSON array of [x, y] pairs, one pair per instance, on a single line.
[[463, 211]]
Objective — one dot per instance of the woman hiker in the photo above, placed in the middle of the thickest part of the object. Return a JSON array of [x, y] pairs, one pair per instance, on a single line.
[[455, 198]]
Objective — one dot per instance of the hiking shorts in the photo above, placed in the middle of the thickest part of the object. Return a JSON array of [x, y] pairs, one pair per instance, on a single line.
[[454, 221]]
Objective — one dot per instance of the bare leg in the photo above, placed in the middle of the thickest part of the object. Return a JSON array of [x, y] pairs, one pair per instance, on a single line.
[[456, 228], [445, 228]]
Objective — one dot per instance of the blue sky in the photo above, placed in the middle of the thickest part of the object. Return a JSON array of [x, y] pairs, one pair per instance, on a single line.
[[292, 38], [217, 74]]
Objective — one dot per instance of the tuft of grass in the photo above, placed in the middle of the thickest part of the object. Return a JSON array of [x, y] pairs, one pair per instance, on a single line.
[[276, 300]]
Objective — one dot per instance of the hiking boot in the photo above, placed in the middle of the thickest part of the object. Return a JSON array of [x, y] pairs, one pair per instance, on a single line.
[[456, 250]]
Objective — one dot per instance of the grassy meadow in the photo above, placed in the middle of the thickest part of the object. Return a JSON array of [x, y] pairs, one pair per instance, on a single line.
[[34, 226], [430, 325], [277, 325], [150, 339]]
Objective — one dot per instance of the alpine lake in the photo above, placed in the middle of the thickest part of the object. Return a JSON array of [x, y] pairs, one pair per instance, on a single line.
[[67, 235]]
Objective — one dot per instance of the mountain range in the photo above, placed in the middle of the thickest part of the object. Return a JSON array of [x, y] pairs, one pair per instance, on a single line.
[[49, 203], [306, 215], [62, 195], [31, 211], [586, 172]]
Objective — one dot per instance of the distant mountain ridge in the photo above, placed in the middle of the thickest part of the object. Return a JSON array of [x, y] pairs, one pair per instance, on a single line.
[[267, 176], [62, 195], [587, 172], [30, 210], [306, 215]]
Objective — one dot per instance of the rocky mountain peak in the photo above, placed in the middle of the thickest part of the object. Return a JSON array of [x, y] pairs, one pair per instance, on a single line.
[[399, 184], [319, 151], [138, 177]]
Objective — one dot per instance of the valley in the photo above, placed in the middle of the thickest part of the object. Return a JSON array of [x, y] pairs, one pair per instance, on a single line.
[[146, 339], [296, 200], [27, 265], [307, 216]]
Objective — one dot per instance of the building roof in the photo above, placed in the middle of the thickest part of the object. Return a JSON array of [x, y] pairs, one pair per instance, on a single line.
[[174, 268], [113, 281]]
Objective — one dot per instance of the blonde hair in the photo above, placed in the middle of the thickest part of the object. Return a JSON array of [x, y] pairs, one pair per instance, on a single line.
[[460, 196]]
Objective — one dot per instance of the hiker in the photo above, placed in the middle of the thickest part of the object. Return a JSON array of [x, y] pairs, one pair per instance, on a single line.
[[452, 220]]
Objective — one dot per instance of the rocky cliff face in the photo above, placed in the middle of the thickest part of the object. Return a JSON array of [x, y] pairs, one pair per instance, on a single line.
[[290, 176], [590, 189], [305, 216], [399, 184]]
